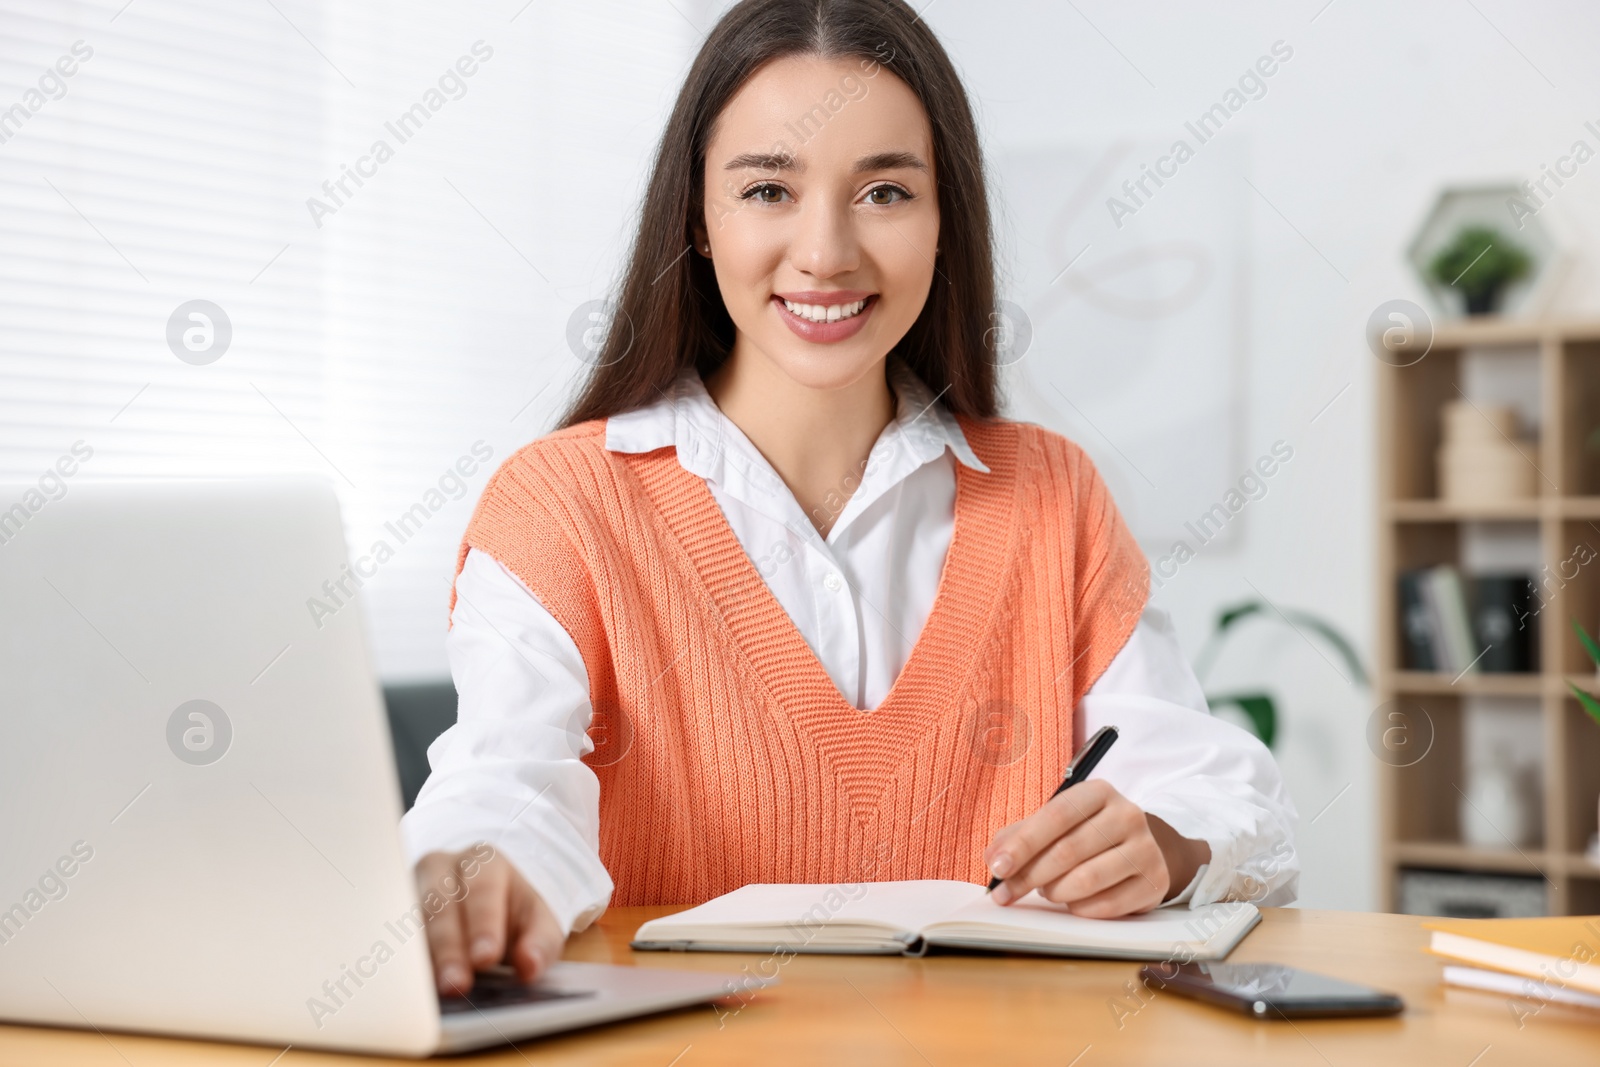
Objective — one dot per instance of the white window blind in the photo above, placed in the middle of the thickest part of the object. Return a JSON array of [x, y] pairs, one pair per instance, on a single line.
[[389, 335]]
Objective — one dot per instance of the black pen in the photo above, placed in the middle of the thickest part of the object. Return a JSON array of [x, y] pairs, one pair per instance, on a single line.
[[1081, 767]]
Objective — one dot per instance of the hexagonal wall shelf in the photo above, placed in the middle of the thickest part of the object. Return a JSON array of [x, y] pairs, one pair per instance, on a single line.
[[1489, 206]]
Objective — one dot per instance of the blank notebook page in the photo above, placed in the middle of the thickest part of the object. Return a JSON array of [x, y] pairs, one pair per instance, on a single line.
[[895, 905], [1033, 915]]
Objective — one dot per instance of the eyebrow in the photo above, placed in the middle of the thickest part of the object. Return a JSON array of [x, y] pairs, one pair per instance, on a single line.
[[781, 161]]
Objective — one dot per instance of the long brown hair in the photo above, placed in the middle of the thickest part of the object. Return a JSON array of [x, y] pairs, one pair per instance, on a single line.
[[669, 313]]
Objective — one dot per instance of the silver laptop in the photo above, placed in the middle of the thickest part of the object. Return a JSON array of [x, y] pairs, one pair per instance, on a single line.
[[199, 794]]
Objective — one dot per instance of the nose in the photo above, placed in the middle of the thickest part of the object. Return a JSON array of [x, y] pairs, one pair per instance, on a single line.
[[825, 242]]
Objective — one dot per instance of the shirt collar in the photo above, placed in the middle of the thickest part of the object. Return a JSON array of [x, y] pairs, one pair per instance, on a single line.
[[924, 423], [688, 419]]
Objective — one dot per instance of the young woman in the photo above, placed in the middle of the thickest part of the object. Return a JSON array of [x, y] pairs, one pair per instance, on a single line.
[[785, 600]]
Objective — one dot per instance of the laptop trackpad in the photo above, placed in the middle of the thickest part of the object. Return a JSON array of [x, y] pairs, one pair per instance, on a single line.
[[495, 989]]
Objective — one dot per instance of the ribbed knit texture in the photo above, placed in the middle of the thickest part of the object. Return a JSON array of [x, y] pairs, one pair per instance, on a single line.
[[725, 753]]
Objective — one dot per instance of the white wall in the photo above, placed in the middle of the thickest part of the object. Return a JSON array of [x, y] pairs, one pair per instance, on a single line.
[[1381, 104]]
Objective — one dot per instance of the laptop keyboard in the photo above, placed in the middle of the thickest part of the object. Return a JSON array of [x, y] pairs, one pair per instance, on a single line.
[[495, 990]]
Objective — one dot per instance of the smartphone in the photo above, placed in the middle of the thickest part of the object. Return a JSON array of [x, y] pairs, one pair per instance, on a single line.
[[1270, 990]]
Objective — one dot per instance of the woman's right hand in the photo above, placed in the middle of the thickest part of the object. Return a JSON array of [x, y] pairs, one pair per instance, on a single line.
[[482, 912]]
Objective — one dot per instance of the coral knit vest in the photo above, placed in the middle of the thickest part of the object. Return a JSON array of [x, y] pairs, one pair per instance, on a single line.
[[725, 753]]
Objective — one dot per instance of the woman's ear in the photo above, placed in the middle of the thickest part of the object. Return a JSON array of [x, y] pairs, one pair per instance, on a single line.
[[702, 243]]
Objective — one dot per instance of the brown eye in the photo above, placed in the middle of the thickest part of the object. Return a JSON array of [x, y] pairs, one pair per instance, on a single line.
[[765, 193], [885, 195]]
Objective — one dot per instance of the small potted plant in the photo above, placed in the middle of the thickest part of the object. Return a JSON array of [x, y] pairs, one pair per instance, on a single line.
[[1481, 263]]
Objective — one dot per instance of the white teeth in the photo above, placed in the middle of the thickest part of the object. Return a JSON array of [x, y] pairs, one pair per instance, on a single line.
[[825, 312]]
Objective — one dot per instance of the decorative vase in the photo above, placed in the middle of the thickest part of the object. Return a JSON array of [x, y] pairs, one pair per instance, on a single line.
[[1500, 807]]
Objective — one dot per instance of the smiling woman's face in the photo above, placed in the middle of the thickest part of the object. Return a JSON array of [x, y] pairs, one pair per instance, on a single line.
[[822, 216]]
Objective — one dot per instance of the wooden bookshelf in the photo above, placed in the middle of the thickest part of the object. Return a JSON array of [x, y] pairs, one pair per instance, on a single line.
[[1419, 804]]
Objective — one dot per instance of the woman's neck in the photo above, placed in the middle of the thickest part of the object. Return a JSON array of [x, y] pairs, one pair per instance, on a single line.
[[818, 440]]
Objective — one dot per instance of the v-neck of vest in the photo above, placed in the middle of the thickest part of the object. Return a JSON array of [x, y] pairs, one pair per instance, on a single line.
[[945, 655]]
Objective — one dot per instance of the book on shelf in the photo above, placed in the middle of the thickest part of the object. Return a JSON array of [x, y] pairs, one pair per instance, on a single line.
[[1503, 622], [1447, 608], [1458, 625], [1566, 948], [1416, 627]]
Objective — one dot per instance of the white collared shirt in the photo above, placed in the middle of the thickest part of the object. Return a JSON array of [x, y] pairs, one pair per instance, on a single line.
[[506, 772]]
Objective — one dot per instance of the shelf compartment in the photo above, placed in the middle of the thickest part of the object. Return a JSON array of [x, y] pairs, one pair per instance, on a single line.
[[1569, 585], [1579, 865], [1583, 895], [1581, 745], [1419, 392], [1512, 366], [1580, 400], [1427, 803]]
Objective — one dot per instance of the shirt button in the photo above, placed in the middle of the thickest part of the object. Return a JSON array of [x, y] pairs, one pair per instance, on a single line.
[[833, 583]]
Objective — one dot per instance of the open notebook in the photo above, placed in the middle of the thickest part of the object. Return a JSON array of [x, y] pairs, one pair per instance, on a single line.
[[910, 917]]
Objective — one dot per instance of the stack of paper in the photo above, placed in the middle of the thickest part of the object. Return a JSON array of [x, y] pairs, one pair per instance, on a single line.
[[1554, 960]]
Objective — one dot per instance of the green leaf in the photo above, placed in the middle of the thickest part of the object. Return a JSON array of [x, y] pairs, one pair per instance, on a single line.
[[1229, 617], [1589, 644], [1590, 704], [1259, 708], [1478, 260], [1232, 615]]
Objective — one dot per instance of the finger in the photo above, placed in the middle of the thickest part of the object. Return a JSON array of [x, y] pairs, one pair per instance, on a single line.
[[446, 941], [1110, 868], [1120, 832], [1129, 897], [1015, 845], [536, 937], [484, 913], [1107, 829], [1142, 851], [1061, 813]]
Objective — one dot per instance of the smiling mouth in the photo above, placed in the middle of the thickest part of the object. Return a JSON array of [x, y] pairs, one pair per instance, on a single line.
[[825, 313]]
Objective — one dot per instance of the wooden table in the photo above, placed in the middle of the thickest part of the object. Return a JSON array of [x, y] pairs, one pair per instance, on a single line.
[[972, 1009]]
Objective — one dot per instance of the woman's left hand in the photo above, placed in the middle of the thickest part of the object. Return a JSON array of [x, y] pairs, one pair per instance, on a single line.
[[1096, 850]]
